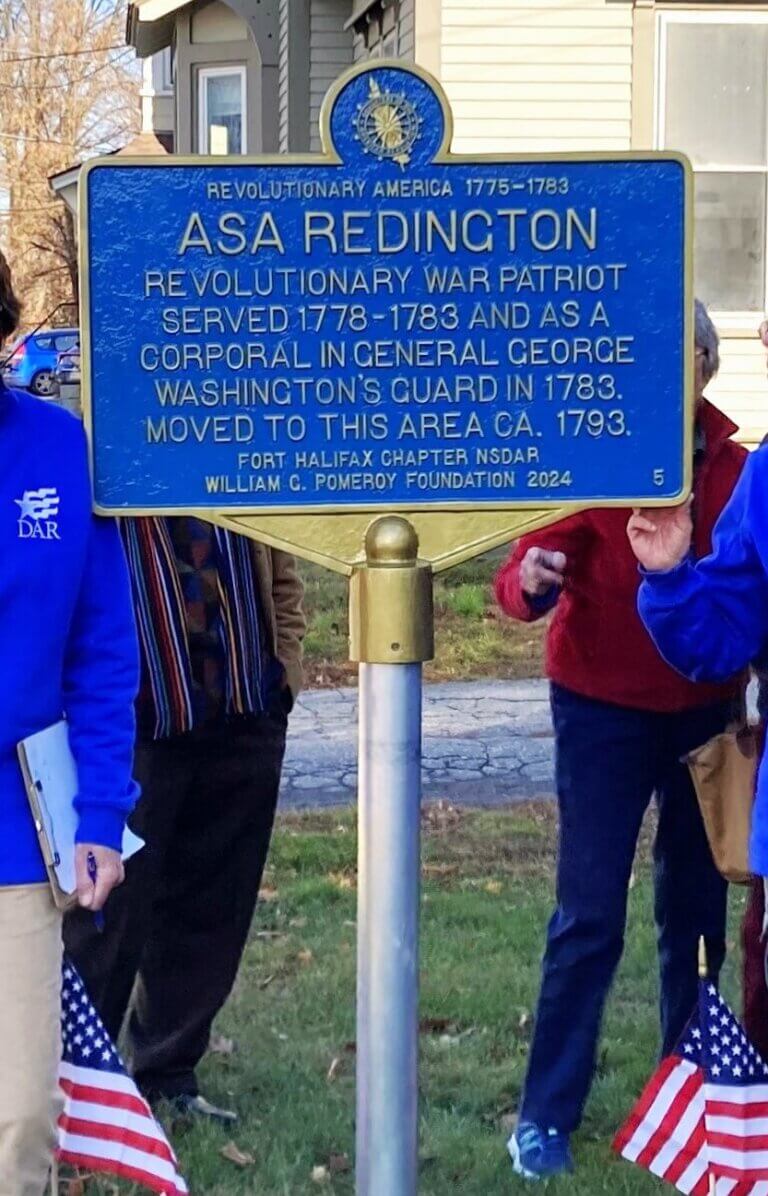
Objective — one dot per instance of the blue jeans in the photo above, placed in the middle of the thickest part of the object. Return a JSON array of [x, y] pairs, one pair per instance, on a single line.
[[610, 762]]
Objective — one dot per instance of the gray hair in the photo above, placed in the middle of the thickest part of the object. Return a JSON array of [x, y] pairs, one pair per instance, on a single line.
[[707, 339]]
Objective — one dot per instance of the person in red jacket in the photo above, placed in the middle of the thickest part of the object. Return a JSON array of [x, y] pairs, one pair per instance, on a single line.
[[622, 719]]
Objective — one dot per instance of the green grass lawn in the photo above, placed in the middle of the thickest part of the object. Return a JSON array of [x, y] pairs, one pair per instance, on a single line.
[[473, 639], [285, 1045]]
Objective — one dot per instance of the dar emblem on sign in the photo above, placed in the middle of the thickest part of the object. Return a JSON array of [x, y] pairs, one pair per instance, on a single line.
[[387, 124]]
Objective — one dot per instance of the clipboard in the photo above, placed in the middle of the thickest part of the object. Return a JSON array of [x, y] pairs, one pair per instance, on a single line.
[[50, 778]]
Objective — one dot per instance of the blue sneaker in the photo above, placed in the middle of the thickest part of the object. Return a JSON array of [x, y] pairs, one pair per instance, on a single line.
[[537, 1153]]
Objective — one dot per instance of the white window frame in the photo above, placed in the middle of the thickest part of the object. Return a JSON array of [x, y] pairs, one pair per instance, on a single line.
[[216, 72], [729, 320]]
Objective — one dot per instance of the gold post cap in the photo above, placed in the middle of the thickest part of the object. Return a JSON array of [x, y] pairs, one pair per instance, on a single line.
[[703, 965], [391, 541], [391, 618]]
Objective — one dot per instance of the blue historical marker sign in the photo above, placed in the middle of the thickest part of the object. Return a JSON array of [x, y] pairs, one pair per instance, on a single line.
[[386, 325]]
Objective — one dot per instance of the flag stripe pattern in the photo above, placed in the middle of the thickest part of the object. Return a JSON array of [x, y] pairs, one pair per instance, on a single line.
[[735, 1094], [665, 1132], [106, 1125], [701, 1122]]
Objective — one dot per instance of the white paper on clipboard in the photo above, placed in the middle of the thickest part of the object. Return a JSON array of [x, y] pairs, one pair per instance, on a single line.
[[51, 769]]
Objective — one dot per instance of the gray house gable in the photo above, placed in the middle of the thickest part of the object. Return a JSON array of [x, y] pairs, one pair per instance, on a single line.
[[284, 55]]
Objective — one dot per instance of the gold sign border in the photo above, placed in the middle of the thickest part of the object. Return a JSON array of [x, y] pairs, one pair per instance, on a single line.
[[486, 525]]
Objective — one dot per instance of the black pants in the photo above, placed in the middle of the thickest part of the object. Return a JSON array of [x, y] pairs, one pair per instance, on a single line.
[[610, 762], [178, 926]]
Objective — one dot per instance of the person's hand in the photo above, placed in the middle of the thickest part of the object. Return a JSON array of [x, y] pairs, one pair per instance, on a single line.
[[541, 571], [109, 874], [661, 538]]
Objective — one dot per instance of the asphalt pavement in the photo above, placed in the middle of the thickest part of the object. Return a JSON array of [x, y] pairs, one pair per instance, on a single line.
[[486, 743]]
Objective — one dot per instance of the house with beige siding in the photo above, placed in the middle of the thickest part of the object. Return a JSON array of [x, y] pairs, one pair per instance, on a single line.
[[522, 76]]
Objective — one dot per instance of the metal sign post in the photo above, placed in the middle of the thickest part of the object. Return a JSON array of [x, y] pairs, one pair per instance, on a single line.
[[387, 358], [391, 634]]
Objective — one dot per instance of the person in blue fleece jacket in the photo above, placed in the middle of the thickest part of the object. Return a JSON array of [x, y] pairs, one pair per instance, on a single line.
[[67, 647], [709, 618]]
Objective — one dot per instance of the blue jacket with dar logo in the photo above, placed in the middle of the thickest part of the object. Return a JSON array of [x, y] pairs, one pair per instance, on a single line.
[[67, 637]]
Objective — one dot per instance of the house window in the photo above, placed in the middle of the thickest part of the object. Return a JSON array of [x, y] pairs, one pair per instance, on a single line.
[[221, 98], [713, 105]]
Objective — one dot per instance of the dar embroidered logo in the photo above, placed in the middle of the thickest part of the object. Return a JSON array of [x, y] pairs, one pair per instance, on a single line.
[[39, 514]]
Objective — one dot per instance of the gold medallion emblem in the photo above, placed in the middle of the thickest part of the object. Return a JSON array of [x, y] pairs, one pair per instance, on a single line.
[[387, 125]]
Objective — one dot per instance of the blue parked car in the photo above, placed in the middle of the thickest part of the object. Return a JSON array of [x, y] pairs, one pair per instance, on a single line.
[[32, 362]]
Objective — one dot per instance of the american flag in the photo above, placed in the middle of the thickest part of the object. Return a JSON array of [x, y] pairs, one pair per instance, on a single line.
[[106, 1126], [701, 1123]]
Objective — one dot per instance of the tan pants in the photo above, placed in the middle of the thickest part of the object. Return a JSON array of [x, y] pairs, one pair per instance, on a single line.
[[30, 988]]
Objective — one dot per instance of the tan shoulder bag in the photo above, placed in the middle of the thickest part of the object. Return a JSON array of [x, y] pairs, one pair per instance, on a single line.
[[724, 771]]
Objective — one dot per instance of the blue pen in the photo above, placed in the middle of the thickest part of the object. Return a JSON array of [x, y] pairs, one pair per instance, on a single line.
[[93, 872]]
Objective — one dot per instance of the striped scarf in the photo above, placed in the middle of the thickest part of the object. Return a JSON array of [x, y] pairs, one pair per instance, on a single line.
[[162, 623]]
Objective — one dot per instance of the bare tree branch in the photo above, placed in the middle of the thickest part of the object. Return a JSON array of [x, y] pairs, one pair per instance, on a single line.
[[67, 88]]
